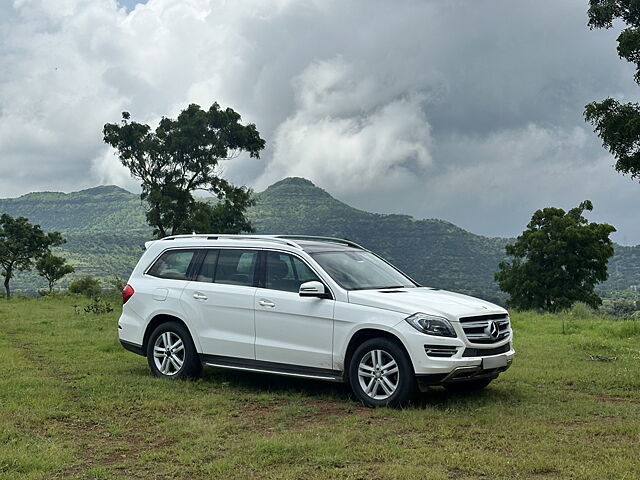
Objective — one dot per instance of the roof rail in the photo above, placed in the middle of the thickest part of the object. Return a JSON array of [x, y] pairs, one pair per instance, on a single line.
[[216, 236], [322, 239]]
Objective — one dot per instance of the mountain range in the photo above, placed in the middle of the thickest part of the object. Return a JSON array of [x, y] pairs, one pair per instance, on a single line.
[[105, 229]]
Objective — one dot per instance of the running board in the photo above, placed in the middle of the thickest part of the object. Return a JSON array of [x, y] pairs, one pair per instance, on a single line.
[[258, 366]]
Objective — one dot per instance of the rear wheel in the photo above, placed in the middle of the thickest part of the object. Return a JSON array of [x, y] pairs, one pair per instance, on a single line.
[[468, 386], [171, 352], [381, 374]]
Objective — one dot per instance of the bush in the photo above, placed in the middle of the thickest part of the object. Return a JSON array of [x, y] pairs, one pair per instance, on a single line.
[[620, 307], [87, 286], [98, 306], [581, 310]]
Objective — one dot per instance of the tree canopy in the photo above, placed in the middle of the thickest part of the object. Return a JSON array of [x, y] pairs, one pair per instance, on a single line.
[[618, 124], [184, 155], [557, 261], [53, 268], [21, 243]]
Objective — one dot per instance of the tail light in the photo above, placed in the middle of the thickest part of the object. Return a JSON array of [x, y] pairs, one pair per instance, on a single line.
[[127, 293]]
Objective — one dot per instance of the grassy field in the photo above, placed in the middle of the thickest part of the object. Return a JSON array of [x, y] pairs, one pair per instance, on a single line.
[[74, 404]]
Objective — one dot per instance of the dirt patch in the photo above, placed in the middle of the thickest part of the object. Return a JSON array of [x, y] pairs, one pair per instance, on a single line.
[[613, 399], [97, 446]]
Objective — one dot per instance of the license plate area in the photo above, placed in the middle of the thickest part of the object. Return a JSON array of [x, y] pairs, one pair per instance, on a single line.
[[497, 361]]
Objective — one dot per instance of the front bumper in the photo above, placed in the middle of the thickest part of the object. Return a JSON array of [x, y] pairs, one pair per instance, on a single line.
[[460, 374], [471, 361]]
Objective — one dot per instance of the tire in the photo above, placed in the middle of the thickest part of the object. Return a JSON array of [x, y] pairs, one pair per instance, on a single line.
[[182, 361], [468, 386], [381, 387]]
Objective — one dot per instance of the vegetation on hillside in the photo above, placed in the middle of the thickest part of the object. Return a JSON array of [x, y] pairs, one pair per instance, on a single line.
[[105, 228]]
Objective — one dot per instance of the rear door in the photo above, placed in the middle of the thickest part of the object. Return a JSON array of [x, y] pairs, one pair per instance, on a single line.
[[291, 329], [221, 299]]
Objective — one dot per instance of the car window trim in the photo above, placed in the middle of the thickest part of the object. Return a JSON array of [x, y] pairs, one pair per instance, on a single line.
[[259, 281]]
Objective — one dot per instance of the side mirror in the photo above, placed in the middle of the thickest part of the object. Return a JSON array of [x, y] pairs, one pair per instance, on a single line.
[[312, 289]]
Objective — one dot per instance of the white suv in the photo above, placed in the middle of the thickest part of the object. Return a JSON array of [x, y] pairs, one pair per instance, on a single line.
[[310, 307]]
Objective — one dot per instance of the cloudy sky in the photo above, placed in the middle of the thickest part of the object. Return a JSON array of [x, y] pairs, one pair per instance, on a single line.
[[463, 110]]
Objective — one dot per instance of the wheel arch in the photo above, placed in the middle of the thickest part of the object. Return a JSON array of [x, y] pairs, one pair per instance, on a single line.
[[364, 334], [159, 320]]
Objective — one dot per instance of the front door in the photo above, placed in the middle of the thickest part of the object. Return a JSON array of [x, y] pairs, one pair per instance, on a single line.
[[291, 329]]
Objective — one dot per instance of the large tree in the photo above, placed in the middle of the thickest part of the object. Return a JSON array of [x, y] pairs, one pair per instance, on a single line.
[[184, 155], [53, 268], [618, 124], [557, 261], [22, 243]]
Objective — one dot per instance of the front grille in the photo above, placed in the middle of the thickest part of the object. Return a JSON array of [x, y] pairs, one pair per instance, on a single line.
[[440, 350], [485, 352], [477, 329]]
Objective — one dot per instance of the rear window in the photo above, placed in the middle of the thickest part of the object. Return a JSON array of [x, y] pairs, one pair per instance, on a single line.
[[230, 266], [236, 267], [173, 264]]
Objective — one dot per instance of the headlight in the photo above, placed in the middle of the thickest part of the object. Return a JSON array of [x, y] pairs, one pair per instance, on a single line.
[[431, 325]]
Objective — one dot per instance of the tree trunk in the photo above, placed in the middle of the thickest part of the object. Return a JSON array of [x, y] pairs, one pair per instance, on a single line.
[[6, 285]]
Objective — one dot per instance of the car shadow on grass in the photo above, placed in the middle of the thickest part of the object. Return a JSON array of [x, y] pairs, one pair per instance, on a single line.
[[435, 397]]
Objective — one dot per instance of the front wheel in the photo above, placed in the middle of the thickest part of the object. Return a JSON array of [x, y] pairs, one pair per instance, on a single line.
[[381, 374], [171, 352]]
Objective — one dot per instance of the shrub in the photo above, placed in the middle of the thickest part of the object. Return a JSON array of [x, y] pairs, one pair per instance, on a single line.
[[580, 310], [98, 306], [87, 286], [620, 307]]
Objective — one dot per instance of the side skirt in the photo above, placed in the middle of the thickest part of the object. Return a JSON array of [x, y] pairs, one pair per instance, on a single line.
[[260, 366]]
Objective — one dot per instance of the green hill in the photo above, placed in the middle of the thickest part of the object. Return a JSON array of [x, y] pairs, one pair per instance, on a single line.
[[434, 252], [105, 230]]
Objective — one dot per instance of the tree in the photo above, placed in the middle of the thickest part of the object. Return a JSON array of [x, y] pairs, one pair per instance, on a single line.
[[618, 124], [87, 286], [184, 155], [20, 244], [53, 268], [557, 261]]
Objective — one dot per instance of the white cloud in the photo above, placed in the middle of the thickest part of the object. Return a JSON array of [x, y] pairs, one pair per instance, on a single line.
[[350, 135]]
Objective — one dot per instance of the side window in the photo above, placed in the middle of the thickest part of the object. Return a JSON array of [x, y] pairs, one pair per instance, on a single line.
[[236, 267], [286, 272], [173, 264], [208, 268]]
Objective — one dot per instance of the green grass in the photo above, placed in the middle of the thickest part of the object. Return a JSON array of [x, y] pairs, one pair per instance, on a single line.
[[74, 404]]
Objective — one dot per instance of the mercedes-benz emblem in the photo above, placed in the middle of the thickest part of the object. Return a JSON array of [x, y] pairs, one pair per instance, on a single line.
[[492, 330]]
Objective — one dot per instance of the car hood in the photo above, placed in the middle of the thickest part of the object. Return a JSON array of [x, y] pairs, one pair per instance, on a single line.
[[426, 300]]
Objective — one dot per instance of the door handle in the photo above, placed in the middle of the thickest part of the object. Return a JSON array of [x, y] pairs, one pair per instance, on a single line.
[[266, 303], [199, 296]]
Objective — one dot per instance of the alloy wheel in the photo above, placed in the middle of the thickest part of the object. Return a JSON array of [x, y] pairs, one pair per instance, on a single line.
[[168, 353], [378, 374]]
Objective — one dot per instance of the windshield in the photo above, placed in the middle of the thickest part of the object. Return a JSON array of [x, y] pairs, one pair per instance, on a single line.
[[361, 270]]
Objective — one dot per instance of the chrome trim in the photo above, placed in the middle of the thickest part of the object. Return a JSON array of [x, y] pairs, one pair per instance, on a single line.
[[276, 372], [454, 373]]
